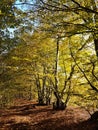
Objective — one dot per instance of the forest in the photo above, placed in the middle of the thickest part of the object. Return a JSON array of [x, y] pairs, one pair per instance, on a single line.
[[49, 64]]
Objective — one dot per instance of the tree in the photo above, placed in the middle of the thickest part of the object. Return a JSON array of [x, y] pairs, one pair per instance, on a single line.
[[8, 23], [86, 82], [69, 18], [42, 63], [59, 94], [57, 36]]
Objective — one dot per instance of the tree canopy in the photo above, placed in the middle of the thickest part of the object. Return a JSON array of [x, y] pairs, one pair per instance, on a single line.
[[49, 51]]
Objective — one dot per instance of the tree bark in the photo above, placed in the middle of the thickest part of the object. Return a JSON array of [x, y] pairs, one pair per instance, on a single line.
[[96, 46]]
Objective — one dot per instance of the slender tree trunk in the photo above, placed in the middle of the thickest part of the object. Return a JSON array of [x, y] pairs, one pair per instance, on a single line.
[[56, 75], [40, 96], [30, 93], [58, 105], [96, 46], [95, 21], [48, 96]]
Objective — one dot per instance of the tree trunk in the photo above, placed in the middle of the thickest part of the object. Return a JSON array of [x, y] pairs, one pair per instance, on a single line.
[[40, 101], [96, 46], [94, 116], [30, 93], [48, 95], [59, 105]]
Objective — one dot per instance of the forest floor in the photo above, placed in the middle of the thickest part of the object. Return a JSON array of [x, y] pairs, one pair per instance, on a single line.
[[24, 116]]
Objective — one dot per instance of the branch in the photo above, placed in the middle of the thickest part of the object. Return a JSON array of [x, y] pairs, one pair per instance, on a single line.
[[53, 7], [92, 86], [68, 79], [93, 71], [56, 8], [84, 8], [73, 24]]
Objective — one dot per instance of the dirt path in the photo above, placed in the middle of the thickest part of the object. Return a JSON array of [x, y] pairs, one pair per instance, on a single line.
[[28, 116]]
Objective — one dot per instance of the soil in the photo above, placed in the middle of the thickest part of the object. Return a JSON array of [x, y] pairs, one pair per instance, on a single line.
[[27, 115]]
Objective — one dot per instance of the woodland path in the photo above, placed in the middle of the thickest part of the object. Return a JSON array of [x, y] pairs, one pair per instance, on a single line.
[[27, 115]]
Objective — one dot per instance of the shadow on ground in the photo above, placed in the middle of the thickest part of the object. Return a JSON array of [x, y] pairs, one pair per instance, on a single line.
[[30, 116]]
